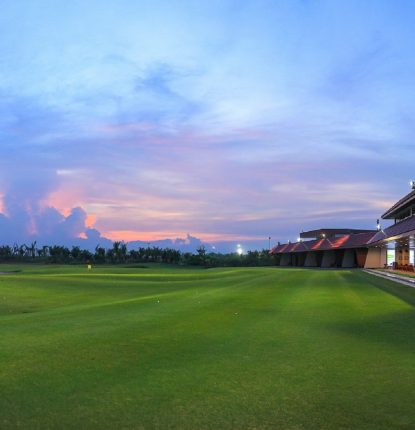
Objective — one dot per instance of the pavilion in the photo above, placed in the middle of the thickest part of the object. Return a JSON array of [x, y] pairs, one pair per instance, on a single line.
[[345, 247]]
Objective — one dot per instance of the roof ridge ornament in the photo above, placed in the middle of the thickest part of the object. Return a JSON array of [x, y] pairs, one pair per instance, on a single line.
[[412, 184]]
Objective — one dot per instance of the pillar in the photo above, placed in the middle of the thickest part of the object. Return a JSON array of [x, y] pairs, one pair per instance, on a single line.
[[349, 258], [373, 258], [285, 259], [329, 259], [310, 259]]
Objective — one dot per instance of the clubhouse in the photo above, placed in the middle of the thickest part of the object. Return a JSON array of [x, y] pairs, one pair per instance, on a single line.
[[329, 248]]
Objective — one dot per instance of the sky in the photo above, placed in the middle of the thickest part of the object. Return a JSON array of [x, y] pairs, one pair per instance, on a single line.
[[220, 122]]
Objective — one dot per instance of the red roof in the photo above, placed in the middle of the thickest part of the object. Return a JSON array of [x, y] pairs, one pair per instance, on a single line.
[[279, 248], [276, 249], [318, 244], [299, 247], [359, 240], [290, 247], [348, 241]]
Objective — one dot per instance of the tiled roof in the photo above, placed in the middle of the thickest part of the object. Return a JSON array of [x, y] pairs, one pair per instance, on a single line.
[[379, 236], [397, 229], [358, 240], [299, 247], [402, 202], [279, 248], [318, 245], [338, 242], [290, 247], [404, 226], [344, 242], [276, 249]]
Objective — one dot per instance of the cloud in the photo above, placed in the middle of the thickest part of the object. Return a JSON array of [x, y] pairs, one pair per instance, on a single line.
[[225, 124], [26, 218], [187, 244], [24, 223]]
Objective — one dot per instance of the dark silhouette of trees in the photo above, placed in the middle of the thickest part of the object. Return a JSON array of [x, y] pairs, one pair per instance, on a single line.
[[99, 256], [6, 253], [119, 254]]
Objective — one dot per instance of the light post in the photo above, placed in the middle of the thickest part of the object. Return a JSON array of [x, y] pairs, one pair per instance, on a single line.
[[269, 243]]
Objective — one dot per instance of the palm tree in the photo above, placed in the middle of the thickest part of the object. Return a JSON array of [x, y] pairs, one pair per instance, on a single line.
[[75, 253], [31, 250], [99, 256]]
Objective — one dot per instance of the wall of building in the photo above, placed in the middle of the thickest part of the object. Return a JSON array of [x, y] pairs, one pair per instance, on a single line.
[[376, 257]]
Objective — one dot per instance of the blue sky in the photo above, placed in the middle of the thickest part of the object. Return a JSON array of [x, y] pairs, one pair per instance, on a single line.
[[228, 120]]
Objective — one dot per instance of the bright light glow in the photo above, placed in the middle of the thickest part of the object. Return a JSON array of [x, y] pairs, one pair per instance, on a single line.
[[239, 249]]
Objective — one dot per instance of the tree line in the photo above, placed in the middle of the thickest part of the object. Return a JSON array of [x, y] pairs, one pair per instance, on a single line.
[[119, 254]]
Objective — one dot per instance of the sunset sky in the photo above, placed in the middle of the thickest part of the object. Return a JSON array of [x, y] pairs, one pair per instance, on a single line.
[[227, 120]]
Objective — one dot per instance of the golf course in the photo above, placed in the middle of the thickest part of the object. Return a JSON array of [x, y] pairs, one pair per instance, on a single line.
[[169, 347]]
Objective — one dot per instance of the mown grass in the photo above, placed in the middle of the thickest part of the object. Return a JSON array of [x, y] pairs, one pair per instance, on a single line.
[[179, 348]]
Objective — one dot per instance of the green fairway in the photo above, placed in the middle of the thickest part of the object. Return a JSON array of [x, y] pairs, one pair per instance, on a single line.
[[180, 348]]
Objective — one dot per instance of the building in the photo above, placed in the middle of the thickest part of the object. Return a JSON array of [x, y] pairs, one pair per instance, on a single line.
[[343, 247]]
